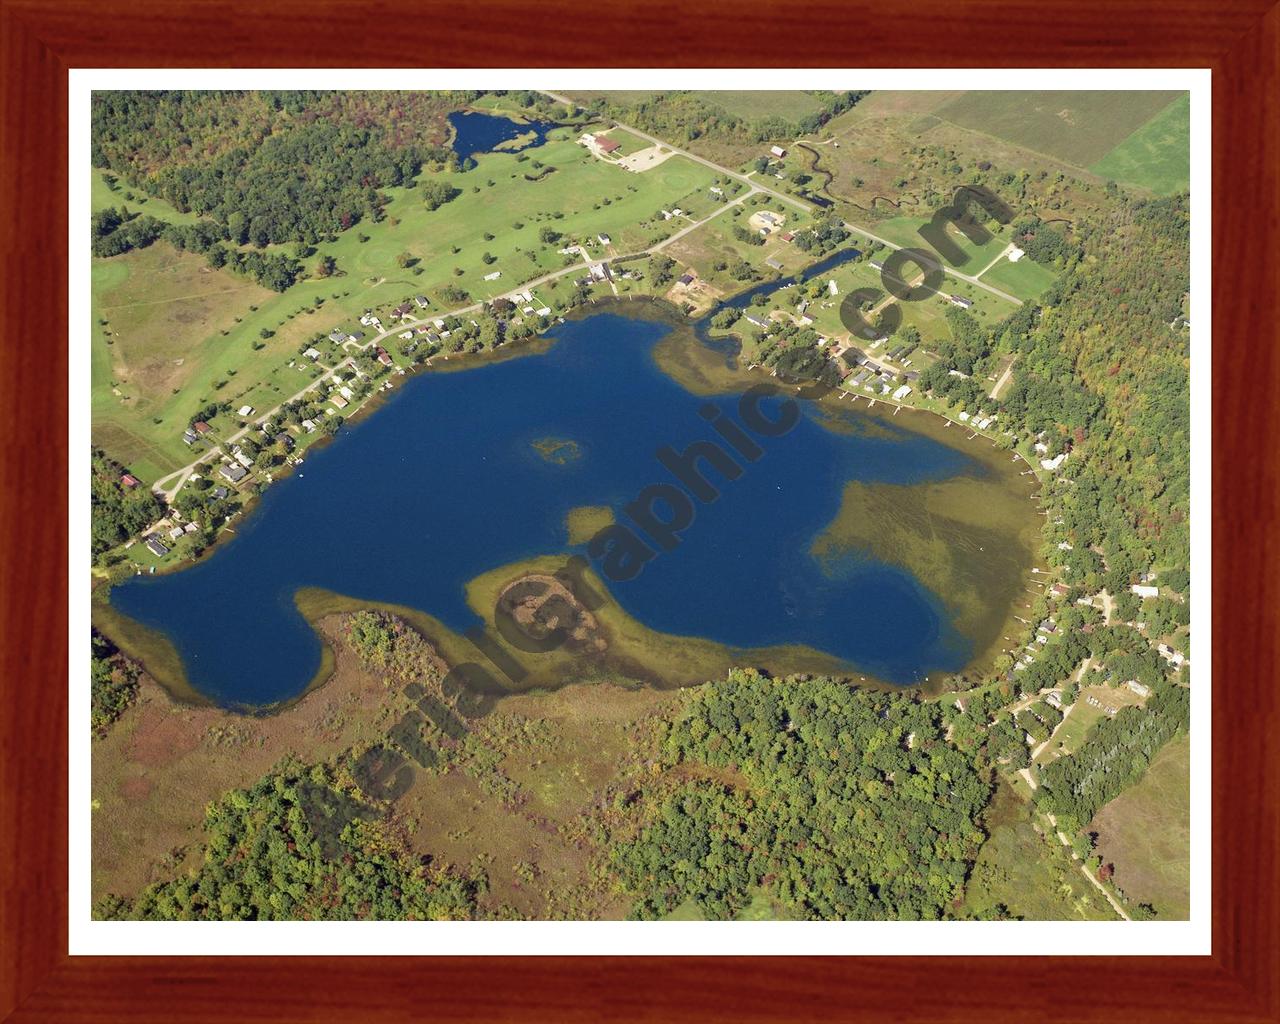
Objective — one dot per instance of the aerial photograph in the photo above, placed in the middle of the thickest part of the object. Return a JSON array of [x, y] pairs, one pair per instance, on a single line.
[[639, 505]]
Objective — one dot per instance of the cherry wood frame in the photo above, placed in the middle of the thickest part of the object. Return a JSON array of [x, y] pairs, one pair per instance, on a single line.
[[41, 39]]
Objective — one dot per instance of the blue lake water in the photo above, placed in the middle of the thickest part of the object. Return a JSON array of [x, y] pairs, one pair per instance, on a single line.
[[480, 133], [447, 481]]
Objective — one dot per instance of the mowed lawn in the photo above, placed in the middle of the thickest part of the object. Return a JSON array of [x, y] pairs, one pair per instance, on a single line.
[[164, 306], [1146, 833], [1078, 127], [1026, 279], [905, 231], [1157, 156]]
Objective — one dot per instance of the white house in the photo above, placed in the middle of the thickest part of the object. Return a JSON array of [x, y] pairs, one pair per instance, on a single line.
[[902, 392], [777, 151], [1144, 591], [1015, 254], [1054, 463]]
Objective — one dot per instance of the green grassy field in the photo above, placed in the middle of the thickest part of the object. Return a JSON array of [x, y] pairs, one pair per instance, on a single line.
[[1146, 833], [103, 196], [1026, 279], [1157, 156], [905, 231], [582, 197], [754, 104], [1078, 127]]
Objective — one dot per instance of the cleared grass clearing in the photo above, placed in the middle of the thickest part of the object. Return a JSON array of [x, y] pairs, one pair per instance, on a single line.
[[1157, 156], [165, 311], [1079, 127], [756, 104], [1146, 833], [905, 231], [103, 196], [1026, 279]]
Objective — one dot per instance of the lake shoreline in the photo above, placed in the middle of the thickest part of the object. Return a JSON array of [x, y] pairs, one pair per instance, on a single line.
[[653, 309]]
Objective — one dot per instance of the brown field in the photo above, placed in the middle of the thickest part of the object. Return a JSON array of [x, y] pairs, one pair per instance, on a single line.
[[1146, 833], [557, 758]]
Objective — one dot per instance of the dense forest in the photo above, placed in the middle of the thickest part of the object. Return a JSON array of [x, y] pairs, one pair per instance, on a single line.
[[838, 802], [271, 166]]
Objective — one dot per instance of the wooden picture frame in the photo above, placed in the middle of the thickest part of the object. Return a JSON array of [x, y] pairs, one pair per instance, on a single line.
[[42, 39]]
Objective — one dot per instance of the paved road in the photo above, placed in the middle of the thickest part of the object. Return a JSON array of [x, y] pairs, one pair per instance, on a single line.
[[792, 200]]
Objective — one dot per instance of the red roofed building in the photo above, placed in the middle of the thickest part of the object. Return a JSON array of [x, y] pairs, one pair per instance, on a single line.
[[606, 144], [202, 427], [129, 480], [383, 358]]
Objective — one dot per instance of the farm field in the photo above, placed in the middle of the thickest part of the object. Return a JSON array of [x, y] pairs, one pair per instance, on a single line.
[[1157, 156], [754, 106], [1146, 833], [1078, 127], [1026, 279], [581, 198]]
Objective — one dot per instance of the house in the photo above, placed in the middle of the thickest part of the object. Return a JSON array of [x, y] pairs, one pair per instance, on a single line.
[[959, 300], [244, 460], [753, 319], [339, 402], [1138, 688], [766, 221], [1061, 590], [356, 336], [175, 533], [189, 436], [964, 417], [129, 480], [544, 311], [383, 357], [233, 473], [788, 236], [309, 426], [716, 191], [191, 528], [421, 301], [604, 239], [877, 265], [219, 493], [337, 336], [346, 393], [1052, 464], [156, 547], [402, 309], [777, 151], [245, 410], [902, 392], [1015, 254], [771, 262], [202, 427], [686, 279], [833, 289], [1144, 591], [1065, 545], [494, 276], [1054, 699], [312, 354], [606, 144]]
